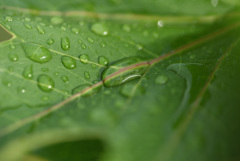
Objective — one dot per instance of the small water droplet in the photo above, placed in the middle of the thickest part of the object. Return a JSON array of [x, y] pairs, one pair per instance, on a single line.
[[56, 73], [86, 75], [27, 19], [8, 19], [126, 28], [90, 40], [28, 72], [13, 57], [64, 79], [28, 26], [12, 46], [63, 28], [37, 53], [84, 58], [40, 29], [139, 47], [103, 60], [161, 79], [93, 66], [160, 23], [103, 44], [50, 41], [56, 20], [45, 83], [125, 75], [69, 62], [45, 98], [65, 43], [75, 30], [83, 46], [88, 92], [22, 90], [7, 83], [100, 29]]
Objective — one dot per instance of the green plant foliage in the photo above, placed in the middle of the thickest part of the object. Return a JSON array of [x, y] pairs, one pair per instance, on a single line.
[[116, 80]]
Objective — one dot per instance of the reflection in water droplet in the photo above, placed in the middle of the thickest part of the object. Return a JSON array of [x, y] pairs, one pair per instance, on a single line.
[[100, 29], [56, 20], [13, 57], [84, 87], [28, 26], [103, 60], [50, 41], [65, 43], [86, 75], [125, 75], [45, 83], [69, 62], [84, 58], [28, 72], [37, 53], [40, 29], [90, 40], [64, 79], [161, 79]]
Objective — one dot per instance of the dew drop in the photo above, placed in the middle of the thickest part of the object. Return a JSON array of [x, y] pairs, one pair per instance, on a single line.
[[56, 73], [28, 26], [7, 83], [63, 28], [160, 23], [75, 30], [69, 62], [8, 19], [13, 57], [64, 79], [22, 90], [83, 46], [37, 53], [100, 29], [50, 41], [56, 20], [86, 75], [88, 92], [84, 58], [65, 43], [125, 75], [90, 40], [45, 83], [40, 29], [139, 47], [103, 44], [93, 66], [27, 19], [12, 46], [28, 72], [103, 60], [126, 28], [161, 79]]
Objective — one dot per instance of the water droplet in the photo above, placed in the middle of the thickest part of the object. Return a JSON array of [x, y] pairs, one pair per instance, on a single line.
[[139, 47], [8, 19], [12, 46], [13, 57], [37, 53], [56, 20], [93, 65], [126, 28], [28, 72], [69, 62], [22, 90], [40, 29], [84, 58], [111, 78], [56, 73], [27, 19], [86, 75], [28, 26], [63, 28], [64, 79], [45, 69], [88, 92], [90, 40], [45, 83], [7, 83], [214, 3], [50, 41], [161, 79], [160, 23], [103, 44], [103, 60], [100, 29], [83, 46], [45, 98], [75, 30], [65, 43]]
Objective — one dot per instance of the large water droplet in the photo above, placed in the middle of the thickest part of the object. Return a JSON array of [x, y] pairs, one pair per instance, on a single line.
[[56, 20], [161, 79], [50, 41], [84, 58], [40, 29], [86, 75], [100, 29], [65, 43], [120, 72], [13, 57], [103, 60], [28, 72], [45, 83], [37, 53], [69, 62], [89, 91]]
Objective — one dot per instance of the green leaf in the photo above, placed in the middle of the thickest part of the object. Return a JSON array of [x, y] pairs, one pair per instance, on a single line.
[[119, 80]]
